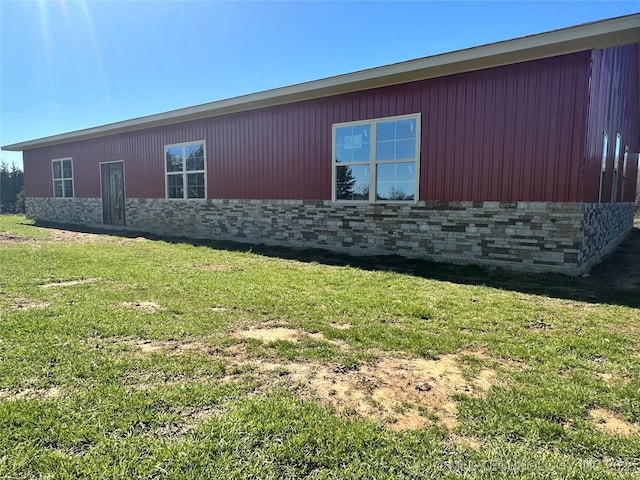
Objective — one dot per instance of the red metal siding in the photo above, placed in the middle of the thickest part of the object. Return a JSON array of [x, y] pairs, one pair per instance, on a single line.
[[508, 133], [613, 108]]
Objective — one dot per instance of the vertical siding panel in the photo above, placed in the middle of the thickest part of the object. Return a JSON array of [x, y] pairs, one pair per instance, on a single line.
[[614, 86], [486, 135]]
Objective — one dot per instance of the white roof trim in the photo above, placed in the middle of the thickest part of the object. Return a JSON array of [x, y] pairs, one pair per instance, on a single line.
[[606, 33]]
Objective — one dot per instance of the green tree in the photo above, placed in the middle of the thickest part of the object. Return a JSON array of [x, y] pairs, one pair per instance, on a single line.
[[345, 182], [11, 185]]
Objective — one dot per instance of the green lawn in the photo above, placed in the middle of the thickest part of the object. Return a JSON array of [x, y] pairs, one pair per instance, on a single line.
[[143, 358]]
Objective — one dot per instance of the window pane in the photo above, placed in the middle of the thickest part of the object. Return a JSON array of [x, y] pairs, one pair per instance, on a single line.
[[68, 188], [396, 140], [406, 129], [396, 181], [57, 188], [175, 187], [405, 149], [343, 155], [352, 183], [195, 156], [386, 150], [57, 170], [174, 159], [195, 185], [66, 169], [386, 131], [353, 143]]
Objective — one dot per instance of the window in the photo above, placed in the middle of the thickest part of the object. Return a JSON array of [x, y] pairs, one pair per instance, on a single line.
[[377, 160], [62, 177], [185, 170], [616, 164], [624, 171], [603, 168]]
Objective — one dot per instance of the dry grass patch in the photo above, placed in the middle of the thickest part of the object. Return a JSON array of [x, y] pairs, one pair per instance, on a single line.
[[609, 422], [147, 307], [27, 304], [69, 283], [341, 326], [402, 393], [173, 347], [269, 335], [29, 394], [273, 334], [9, 238], [71, 236]]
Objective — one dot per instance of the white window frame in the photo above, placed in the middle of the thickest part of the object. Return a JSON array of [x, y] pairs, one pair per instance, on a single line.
[[184, 171], [62, 178], [372, 162], [616, 164], [603, 167]]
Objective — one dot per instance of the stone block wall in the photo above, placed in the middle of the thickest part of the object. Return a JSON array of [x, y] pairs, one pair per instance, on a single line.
[[532, 236], [605, 226], [529, 236], [74, 211]]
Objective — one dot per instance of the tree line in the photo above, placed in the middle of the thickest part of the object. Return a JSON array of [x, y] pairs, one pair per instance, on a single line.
[[11, 189]]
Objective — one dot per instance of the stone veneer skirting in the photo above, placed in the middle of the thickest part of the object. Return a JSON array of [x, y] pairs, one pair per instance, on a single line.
[[531, 236]]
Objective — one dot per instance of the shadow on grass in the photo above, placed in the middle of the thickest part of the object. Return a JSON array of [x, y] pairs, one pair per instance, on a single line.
[[614, 281]]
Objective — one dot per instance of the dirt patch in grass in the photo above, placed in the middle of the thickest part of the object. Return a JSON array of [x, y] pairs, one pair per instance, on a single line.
[[341, 326], [27, 304], [269, 335], [402, 393], [273, 334], [609, 422], [69, 283], [71, 236], [29, 394], [174, 347], [9, 238], [147, 307]]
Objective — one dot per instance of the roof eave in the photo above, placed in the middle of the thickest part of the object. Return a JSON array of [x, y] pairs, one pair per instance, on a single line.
[[604, 34]]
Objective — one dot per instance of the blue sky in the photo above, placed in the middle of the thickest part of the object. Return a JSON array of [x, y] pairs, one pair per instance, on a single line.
[[68, 65]]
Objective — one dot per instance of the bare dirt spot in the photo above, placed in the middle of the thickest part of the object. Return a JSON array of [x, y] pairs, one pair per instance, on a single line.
[[69, 283], [219, 309], [27, 304], [272, 334], [147, 307], [341, 326], [9, 238], [609, 422], [214, 267], [469, 442], [174, 347], [402, 393], [269, 335], [30, 393], [71, 236]]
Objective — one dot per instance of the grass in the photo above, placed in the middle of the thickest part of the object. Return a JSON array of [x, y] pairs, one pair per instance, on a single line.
[[122, 358]]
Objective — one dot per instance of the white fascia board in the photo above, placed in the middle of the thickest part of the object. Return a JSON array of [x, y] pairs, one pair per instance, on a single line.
[[602, 34]]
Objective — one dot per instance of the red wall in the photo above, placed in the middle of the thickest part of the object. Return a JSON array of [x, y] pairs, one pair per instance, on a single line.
[[508, 133], [613, 108]]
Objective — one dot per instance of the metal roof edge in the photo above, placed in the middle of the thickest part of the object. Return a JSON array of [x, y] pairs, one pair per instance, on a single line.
[[600, 34]]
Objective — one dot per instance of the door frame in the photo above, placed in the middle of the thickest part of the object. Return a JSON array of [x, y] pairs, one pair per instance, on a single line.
[[124, 191]]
